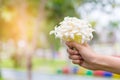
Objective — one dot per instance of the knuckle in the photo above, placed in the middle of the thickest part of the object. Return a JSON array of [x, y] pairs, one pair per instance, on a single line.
[[73, 62], [70, 57]]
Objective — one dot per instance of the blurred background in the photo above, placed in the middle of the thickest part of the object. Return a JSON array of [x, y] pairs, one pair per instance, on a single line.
[[28, 52]]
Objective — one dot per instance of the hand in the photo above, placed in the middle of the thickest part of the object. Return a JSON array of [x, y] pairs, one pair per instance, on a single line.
[[82, 55]]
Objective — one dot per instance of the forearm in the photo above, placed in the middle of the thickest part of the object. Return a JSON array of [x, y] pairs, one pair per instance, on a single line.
[[108, 63]]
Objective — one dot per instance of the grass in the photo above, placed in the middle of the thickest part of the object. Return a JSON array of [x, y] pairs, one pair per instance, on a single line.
[[1, 78], [7, 63], [36, 64], [51, 66]]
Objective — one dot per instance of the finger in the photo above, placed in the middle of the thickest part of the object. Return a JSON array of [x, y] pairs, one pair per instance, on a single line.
[[75, 57], [67, 43], [76, 61], [73, 45], [72, 52], [79, 62]]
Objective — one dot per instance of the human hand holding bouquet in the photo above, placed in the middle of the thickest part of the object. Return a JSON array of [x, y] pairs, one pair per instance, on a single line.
[[78, 32]]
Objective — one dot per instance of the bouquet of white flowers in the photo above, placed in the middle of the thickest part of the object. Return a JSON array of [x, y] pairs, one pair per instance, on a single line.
[[73, 29]]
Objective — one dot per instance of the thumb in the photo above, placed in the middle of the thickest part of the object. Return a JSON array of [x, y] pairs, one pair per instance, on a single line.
[[72, 45]]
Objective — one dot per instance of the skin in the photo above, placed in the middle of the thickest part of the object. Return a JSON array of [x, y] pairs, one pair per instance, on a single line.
[[84, 56]]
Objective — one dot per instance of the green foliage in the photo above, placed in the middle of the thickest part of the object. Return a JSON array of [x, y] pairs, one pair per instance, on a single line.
[[1, 78], [4, 2], [114, 24], [56, 11], [54, 43]]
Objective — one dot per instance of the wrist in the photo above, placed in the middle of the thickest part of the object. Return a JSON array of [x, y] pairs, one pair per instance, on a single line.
[[106, 63], [98, 62]]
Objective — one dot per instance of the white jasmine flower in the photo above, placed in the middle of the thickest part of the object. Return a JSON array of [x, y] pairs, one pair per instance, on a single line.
[[73, 29]]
